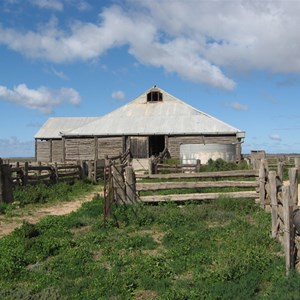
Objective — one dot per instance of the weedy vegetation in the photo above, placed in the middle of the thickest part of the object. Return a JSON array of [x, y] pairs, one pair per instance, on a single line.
[[210, 250]]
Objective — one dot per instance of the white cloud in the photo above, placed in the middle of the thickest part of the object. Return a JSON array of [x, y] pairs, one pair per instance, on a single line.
[[119, 95], [198, 40], [49, 4], [275, 137], [238, 106], [42, 99], [59, 74]]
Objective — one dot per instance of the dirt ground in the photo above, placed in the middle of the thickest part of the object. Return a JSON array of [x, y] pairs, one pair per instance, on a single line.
[[8, 224]]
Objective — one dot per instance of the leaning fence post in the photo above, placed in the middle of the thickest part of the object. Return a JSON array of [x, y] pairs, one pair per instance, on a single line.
[[293, 177], [130, 185], [289, 234]]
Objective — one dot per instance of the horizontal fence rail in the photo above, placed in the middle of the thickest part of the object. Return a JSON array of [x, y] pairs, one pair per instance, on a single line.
[[246, 181]]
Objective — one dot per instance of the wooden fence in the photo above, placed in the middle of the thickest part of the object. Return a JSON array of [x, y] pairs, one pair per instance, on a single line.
[[22, 174], [245, 180], [282, 201], [263, 185], [119, 182]]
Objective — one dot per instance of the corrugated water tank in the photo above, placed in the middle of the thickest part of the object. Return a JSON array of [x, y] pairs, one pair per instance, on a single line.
[[189, 153]]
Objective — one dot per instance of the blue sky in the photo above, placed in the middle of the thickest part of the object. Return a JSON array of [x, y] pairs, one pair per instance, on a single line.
[[236, 60]]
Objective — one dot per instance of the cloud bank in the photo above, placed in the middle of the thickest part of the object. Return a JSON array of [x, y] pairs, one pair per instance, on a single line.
[[42, 99], [198, 40]]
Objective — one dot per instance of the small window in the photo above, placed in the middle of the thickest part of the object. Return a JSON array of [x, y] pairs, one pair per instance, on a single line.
[[154, 96]]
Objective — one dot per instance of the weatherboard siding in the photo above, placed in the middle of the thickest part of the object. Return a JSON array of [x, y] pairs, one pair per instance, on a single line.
[[109, 146], [57, 151], [43, 150], [79, 148]]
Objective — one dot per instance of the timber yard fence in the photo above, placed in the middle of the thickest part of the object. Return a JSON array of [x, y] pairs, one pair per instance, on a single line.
[[121, 185], [266, 186]]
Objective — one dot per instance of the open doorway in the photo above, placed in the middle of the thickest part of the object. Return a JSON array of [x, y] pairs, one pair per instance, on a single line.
[[156, 144]]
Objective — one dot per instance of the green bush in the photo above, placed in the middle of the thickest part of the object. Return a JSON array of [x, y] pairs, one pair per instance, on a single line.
[[222, 165]]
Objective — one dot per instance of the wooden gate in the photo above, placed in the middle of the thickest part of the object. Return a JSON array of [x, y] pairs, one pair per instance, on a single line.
[[139, 146]]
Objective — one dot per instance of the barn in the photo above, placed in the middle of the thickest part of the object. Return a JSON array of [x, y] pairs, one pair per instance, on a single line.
[[147, 125]]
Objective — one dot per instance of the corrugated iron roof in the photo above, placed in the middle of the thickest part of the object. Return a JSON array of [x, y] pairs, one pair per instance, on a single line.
[[139, 117], [54, 127]]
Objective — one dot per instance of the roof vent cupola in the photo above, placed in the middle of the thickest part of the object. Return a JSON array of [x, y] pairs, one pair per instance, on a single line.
[[154, 95]]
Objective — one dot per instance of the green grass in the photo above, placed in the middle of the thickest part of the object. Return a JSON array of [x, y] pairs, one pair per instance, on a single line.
[[214, 250], [41, 194]]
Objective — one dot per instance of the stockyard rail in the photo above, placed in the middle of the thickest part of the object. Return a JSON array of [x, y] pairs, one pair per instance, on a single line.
[[263, 185], [208, 180], [31, 173]]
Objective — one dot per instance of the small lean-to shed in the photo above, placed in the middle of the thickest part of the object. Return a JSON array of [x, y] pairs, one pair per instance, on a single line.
[[49, 146], [147, 125]]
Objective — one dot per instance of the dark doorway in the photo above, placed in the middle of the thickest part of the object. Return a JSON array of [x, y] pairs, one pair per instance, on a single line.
[[156, 144]]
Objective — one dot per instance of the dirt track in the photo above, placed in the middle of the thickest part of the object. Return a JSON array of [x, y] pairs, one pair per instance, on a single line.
[[7, 225]]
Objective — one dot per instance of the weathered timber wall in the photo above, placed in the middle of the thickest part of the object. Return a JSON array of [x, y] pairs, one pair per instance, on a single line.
[[174, 142], [43, 150], [109, 146], [57, 151], [79, 148]]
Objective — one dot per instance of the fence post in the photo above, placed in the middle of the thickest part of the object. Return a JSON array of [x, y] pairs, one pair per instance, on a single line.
[[6, 192], [95, 171], [262, 183], [198, 165], [1, 183], [150, 165], [90, 170], [55, 175], [130, 185], [83, 169], [280, 170], [119, 184], [274, 204], [293, 177], [289, 232], [25, 178], [297, 162]]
